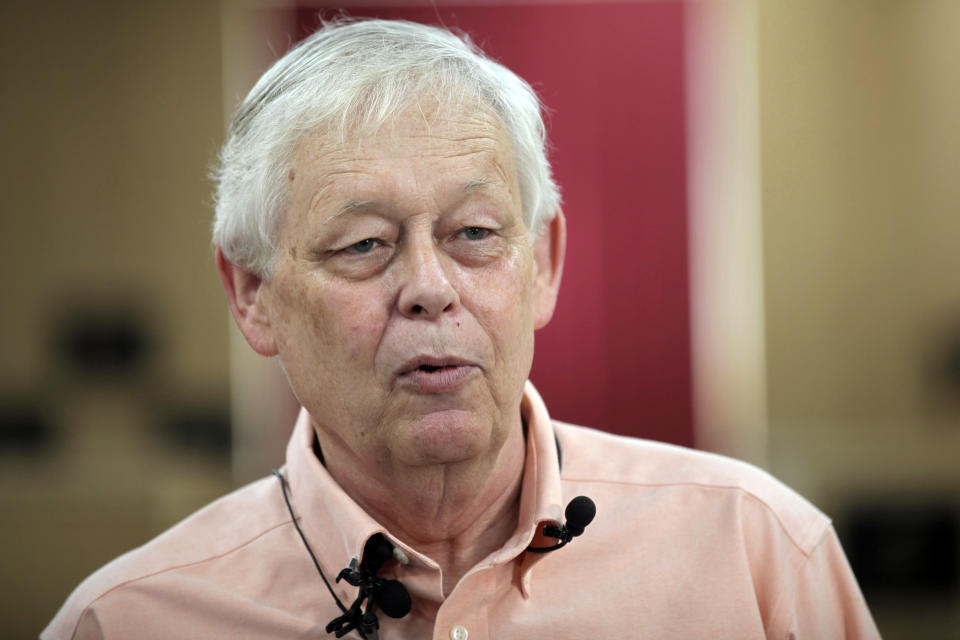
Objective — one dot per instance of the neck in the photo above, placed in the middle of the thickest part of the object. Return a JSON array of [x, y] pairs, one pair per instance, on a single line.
[[456, 514]]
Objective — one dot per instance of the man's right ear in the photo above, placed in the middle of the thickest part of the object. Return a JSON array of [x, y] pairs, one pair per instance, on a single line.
[[245, 293]]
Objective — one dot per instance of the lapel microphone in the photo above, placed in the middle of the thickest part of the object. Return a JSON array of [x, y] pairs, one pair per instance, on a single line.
[[579, 513], [390, 595]]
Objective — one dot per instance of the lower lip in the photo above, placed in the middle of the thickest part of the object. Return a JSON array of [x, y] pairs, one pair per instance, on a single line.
[[439, 381]]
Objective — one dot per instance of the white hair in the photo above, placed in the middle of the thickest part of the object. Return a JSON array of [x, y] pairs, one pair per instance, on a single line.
[[351, 74]]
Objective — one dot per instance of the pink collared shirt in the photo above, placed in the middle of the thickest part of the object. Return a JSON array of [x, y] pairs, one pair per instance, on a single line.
[[685, 545]]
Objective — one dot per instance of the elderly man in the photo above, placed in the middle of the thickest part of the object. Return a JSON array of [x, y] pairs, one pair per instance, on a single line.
[[387, 227]]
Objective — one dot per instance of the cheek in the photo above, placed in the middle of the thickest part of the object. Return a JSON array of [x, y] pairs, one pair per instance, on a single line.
[[353, 321], [512, 285], [364, 329], [324, 319], [502, 300]]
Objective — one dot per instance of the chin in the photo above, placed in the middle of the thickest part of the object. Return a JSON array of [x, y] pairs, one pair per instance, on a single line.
[[449, 437]]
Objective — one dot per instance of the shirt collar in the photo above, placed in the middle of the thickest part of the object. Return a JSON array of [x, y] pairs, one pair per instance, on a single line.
[[337, 527]]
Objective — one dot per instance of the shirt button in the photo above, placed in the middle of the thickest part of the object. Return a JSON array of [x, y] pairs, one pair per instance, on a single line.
[[459, 632]]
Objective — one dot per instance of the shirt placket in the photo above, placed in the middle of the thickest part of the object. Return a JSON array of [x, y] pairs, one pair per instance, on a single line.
[[464, 613]]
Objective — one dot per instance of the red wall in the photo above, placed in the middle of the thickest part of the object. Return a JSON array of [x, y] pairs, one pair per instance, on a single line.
[[617, 354]]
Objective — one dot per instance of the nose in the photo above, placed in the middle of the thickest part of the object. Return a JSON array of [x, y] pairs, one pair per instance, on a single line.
[[426, 291]]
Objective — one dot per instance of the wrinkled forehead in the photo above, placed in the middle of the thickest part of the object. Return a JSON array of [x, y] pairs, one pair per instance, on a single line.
[[464, 146], [464, 133]]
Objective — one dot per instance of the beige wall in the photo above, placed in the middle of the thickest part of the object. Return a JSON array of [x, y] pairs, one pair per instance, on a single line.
[[110, 116], [860, 147], [828, 134]]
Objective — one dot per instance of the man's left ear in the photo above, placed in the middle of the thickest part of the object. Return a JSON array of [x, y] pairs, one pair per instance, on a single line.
[[549, 250]]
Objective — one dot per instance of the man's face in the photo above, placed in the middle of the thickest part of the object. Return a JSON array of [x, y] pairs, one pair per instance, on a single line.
[[403, 301]]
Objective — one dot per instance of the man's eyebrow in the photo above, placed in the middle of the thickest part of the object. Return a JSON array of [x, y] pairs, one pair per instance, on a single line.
[[492, 186], [477, 184], [353, 205], [349, 207]]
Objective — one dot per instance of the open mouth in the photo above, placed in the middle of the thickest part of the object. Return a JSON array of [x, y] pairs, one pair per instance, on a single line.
[[437, 377]]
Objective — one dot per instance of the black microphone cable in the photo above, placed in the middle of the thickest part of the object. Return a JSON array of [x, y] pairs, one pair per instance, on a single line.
[[392, 597]]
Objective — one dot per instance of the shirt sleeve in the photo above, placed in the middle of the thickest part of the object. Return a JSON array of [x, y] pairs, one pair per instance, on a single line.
[[824, 601]]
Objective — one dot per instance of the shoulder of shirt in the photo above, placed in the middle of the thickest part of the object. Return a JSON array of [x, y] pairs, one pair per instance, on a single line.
[[592, 456], [222, 527]]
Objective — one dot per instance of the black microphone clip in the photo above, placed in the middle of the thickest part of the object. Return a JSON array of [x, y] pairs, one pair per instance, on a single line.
[[390, 595], [579, 513]]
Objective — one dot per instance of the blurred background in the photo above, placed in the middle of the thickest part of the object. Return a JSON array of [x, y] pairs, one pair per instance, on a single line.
[[764, 209]]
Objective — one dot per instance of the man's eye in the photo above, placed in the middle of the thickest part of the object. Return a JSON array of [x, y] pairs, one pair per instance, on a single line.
[[364, 246], [475, 233]]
